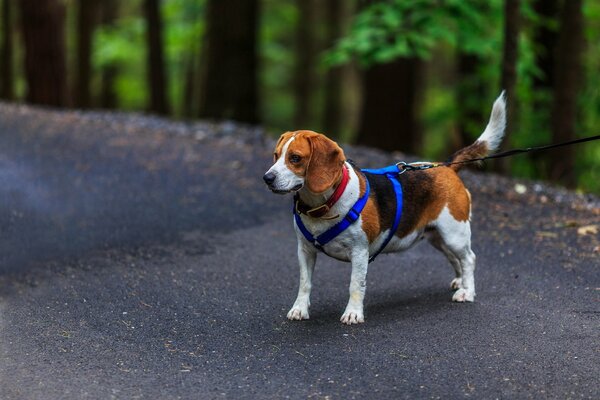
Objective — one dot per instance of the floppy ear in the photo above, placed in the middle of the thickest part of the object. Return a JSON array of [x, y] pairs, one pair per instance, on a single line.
[[325, 165]]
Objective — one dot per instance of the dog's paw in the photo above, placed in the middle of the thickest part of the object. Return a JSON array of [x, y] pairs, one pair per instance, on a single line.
[[456, 283], [351, 317], [298, 314], [463, 295]]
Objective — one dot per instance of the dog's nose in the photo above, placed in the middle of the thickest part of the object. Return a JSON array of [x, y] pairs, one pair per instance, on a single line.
[[269, 178]]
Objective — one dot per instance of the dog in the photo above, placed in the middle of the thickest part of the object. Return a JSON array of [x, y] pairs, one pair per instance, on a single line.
[[330, 192]]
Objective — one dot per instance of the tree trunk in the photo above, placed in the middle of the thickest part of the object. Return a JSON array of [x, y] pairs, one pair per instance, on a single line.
[[306, 59], [564, 110], [391, 102], [230, 82], [509, 67], [108, 97], [86, 13], [546, 39], [334, 22], [470, 97], [43, 25], [156, 70], [7, 91], [189, 78]]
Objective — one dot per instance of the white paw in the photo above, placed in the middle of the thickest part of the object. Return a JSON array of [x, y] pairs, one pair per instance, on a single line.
[[298, 313], [463, 295], [352, 316], [456, 283]]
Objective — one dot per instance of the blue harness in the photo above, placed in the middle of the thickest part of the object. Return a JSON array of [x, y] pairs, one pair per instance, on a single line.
[[320, 241]]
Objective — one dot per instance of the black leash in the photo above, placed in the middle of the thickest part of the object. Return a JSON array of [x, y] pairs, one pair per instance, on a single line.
[[411, 167]]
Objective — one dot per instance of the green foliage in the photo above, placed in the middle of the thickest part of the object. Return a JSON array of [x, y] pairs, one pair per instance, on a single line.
[[388, 30], [588, 166], [184, 29], [277, 59], [123, 46], [437, 30]]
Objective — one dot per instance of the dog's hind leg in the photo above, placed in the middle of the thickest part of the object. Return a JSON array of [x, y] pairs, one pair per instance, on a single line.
[[437, 242], [455, 238]]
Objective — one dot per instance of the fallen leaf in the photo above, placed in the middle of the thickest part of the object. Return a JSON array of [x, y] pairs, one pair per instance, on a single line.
[[520, 188], [588, 230], [546, 234]]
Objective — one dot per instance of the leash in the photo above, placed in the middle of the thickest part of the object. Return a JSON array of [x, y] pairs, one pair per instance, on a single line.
[[403, 166]]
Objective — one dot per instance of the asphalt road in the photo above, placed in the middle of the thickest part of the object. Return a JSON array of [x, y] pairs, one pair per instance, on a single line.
[[144, 259]]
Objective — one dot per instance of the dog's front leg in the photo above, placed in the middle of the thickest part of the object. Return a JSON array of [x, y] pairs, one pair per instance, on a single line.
[[358, 284], [307, 256]]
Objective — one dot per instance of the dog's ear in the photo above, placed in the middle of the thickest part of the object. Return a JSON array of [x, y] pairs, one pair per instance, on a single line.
[[325, 165]]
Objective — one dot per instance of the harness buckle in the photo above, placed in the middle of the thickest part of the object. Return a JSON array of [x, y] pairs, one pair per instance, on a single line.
[[323, 208], [314, 213], [352, 215]]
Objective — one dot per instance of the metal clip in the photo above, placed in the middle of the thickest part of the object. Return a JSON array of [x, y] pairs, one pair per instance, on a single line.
[[402, 167]]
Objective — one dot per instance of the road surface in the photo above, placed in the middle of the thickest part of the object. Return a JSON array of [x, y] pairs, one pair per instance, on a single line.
[[142, 258]]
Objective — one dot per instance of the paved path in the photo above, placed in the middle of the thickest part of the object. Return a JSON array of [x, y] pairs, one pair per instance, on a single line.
[[144, 259]]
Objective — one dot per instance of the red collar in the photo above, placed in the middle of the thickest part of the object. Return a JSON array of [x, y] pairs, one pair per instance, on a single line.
[[320, 211]]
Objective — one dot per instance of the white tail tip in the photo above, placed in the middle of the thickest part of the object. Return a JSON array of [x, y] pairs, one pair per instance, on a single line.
[[494, 131]]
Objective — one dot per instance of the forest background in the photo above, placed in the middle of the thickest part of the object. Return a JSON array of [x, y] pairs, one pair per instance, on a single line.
[[412, 76]]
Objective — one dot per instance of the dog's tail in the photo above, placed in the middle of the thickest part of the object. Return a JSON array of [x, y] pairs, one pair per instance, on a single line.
[[490, 139]]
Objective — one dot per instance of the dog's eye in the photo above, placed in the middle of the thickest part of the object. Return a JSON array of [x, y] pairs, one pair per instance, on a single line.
[[294, 158], [275, 157]]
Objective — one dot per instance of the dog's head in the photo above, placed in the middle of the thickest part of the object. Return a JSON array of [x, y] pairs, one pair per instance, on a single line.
[[304, 159]]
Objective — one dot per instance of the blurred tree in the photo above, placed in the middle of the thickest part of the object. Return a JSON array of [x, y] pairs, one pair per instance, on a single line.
[[183, 32], [86, 21], [306, 59], [109, 10], [568, 72], [231, 78], [470, 93], [43, 26], [472, 54], [384, 31], [546, 39], [190, 80], [391, 100], [7, 91], [509, 68], [156, 66], [277, 62], [336, 17]]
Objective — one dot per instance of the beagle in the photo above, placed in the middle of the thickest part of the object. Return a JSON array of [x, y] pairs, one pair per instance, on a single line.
[[433, 203]]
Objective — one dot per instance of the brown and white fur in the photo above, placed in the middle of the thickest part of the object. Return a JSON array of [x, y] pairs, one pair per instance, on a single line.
[[436, 205]]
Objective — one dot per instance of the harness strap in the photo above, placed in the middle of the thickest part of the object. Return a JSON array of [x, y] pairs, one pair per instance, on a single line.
[[392, 170], [338, 228], [398, 191], [320, 241]]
